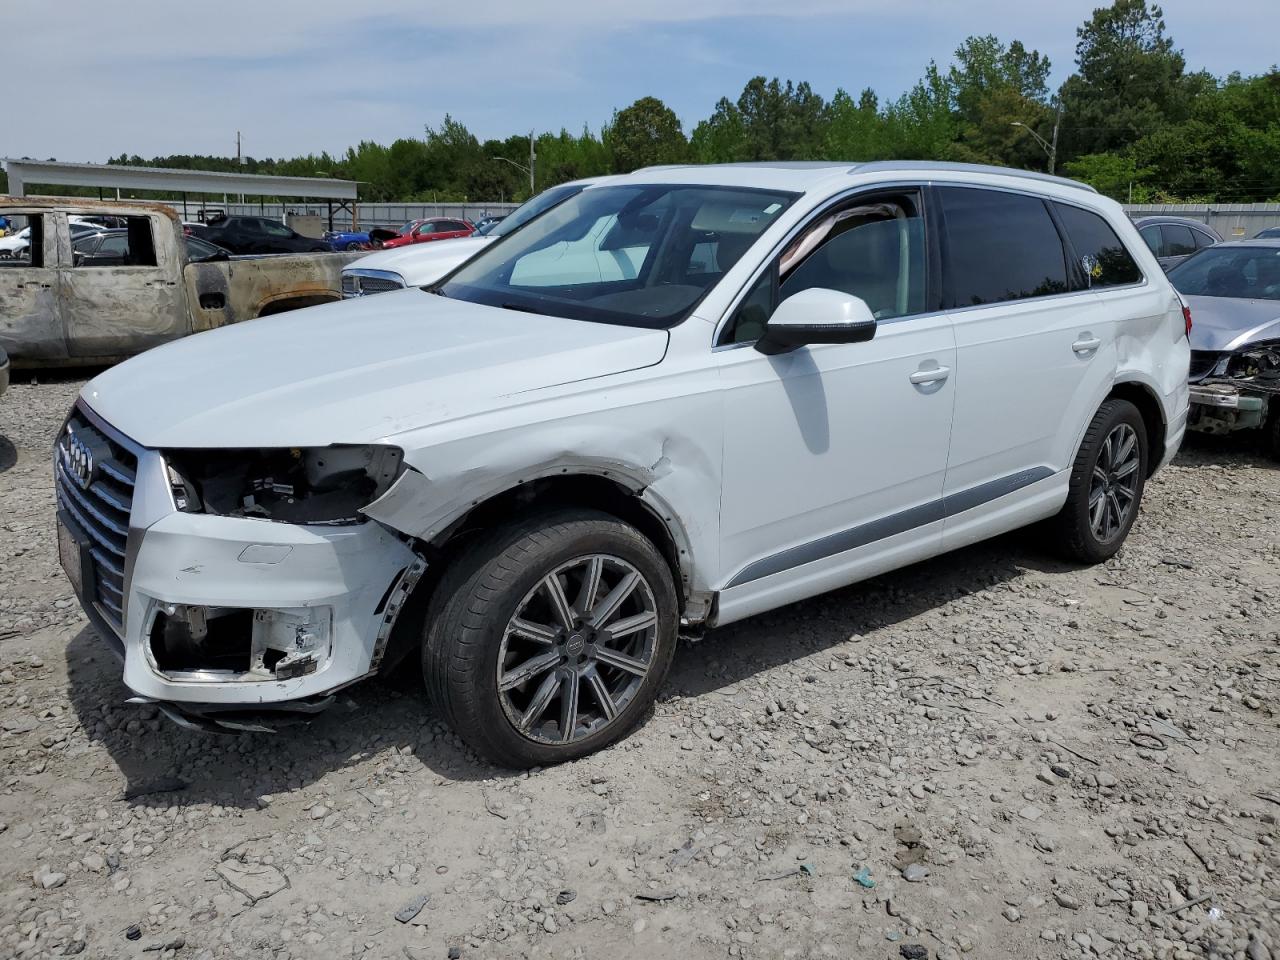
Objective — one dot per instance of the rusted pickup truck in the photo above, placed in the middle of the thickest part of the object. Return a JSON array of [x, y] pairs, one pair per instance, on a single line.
[[57, 309]]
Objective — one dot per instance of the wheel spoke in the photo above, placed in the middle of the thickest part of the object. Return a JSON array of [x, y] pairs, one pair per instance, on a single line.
[[600, 691], [538, 705], [1126, 468], [622, 661], [1099, 474], [1127, 440], [1115, 513], [610, 604], [528, 670], [590, 585], [536, 632], [559, 602], [568, 705], [1096, 515], [1096, 494], [629, 625]]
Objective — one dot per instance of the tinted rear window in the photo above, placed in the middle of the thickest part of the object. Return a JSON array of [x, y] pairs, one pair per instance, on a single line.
[[1000, 246], [1103, 258]]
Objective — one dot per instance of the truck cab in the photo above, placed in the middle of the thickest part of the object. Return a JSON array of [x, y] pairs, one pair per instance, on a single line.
[[57, 309]]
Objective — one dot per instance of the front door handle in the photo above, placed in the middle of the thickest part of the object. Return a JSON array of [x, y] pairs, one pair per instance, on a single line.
[[927, 375], [1086, 344]]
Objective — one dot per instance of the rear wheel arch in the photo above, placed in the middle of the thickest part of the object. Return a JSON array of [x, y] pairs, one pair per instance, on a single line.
[[1144, 398], [285, 304]]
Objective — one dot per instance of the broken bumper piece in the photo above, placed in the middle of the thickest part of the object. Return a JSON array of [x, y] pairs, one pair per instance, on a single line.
[[230, 614], [1219, 408], [224, 718]]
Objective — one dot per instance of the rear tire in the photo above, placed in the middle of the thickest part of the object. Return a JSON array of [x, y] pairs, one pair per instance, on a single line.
[[529, 673], [1107, 481]]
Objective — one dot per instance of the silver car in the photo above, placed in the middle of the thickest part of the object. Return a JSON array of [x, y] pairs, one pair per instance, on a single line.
[[1233, 290]]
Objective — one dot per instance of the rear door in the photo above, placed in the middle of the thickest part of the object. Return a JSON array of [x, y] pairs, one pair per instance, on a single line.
[[30, 314], [121, 308], [1033, 352]]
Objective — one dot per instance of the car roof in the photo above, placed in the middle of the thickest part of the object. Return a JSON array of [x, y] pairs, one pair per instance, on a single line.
[[1152, 219], [805, 175]]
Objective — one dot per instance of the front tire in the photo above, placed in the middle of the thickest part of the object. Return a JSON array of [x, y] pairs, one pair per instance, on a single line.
[[1107, 481], [549, 640]]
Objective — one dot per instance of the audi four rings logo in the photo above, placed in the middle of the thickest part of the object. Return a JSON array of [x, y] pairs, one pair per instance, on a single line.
[[79, 458]]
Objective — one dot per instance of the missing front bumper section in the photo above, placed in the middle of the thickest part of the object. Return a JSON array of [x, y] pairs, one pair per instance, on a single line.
[[1220, 408], [200, 643]]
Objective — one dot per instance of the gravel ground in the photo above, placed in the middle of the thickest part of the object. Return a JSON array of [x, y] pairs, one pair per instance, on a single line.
[[989, 754]]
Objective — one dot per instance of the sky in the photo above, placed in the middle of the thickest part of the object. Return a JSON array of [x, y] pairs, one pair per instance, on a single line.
[[90, 79]]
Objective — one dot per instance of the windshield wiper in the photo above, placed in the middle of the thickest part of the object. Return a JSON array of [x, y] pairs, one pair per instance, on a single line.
[[521, 307]]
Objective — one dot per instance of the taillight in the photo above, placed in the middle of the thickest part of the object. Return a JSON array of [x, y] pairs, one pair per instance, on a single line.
[[1186, 313]]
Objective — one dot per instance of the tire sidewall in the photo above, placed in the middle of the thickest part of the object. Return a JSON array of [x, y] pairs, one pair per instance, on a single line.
[[596, 536]]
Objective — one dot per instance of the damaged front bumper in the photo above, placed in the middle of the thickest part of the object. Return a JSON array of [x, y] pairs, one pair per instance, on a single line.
[[1224, 406], [222, 616]]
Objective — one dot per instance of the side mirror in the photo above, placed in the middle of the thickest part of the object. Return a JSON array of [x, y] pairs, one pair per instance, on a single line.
[[817, 315]]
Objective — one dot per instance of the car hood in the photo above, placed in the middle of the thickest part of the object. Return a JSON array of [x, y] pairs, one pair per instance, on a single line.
[[359, 371], [421, 263], [1224, 324]]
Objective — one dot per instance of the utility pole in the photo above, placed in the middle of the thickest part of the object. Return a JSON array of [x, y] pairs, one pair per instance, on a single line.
[[1049, 148], [1053, 149], [533, 160], [239, 160]]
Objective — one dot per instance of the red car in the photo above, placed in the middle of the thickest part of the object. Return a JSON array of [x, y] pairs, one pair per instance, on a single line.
[[421, 231]]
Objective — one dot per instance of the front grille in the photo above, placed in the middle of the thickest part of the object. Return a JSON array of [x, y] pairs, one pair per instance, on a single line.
[[1202, 361], [101, 506], [364, 284]]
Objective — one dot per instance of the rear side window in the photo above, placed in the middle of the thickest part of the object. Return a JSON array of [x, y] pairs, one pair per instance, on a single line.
[[1000, 247], [1178, 241], [1203, 239], [1103, 258]]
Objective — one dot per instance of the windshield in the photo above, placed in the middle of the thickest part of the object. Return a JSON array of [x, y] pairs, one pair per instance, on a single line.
[[637, 255], [407, 228], [1243, 273], [532, 208]]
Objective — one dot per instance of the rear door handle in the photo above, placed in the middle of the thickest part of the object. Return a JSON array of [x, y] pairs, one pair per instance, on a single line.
[[1086, 344], [927, 375]]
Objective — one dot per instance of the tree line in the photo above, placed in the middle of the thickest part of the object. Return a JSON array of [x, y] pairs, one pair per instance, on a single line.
[[1132, 120]]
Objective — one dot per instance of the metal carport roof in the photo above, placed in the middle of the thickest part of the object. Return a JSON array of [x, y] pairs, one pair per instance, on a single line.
[[54, 173]]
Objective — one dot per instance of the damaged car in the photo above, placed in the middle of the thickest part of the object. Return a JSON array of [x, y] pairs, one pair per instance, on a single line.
[[530, 483], [1233, 290], [72, 300]]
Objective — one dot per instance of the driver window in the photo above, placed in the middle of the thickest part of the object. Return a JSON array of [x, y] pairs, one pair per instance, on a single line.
[[873, 250]]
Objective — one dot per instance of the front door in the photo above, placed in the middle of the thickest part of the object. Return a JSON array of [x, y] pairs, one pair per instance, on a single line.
[[30, 316], [120, 310], [834, 454]]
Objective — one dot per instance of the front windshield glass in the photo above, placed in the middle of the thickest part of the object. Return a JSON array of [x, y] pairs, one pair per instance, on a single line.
[[1242, 273], [636, 255], [532, 208], [407, 228]]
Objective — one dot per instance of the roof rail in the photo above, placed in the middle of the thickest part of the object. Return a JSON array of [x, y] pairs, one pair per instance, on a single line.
[[927, 165]]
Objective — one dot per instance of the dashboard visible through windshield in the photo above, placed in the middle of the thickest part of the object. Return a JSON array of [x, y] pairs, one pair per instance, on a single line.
[[635, 255]]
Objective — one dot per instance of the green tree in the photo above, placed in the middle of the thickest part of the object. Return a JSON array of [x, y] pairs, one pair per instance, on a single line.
[[644, 134], [1129, 79]]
